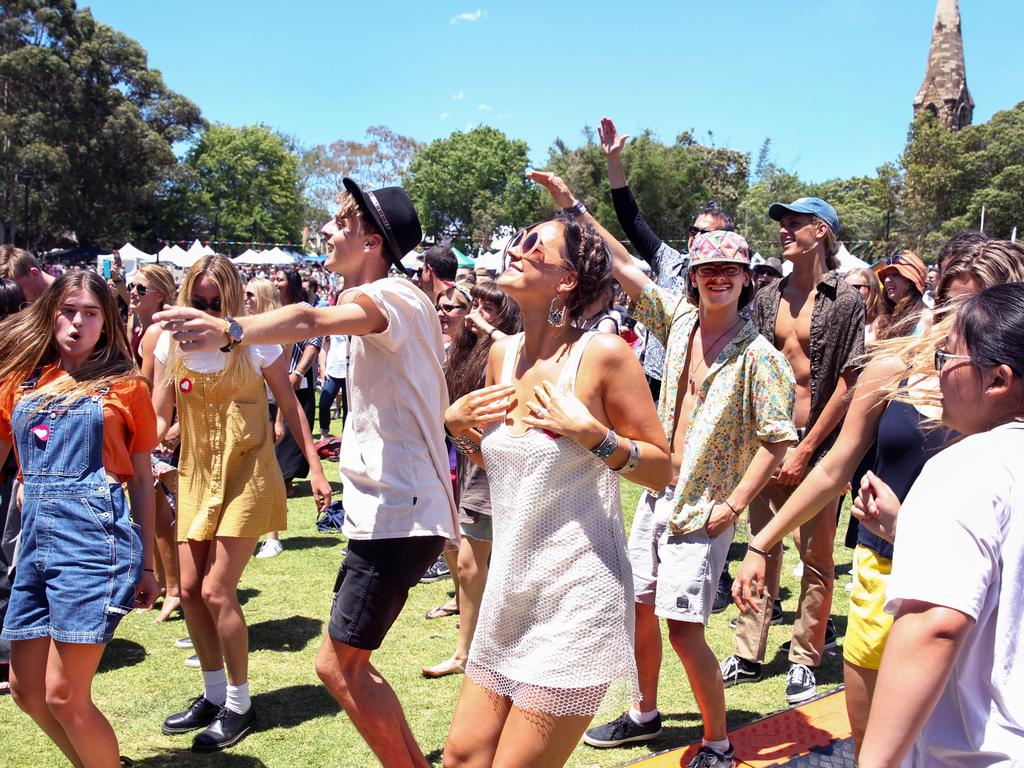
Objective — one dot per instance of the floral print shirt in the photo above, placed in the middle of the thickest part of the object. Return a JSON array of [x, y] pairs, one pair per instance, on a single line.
[[746, 399]]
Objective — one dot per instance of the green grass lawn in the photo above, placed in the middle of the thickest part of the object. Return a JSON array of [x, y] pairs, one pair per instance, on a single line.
[[286, 602]]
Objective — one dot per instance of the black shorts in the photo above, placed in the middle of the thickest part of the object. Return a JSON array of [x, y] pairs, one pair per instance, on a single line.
[[373, 584]]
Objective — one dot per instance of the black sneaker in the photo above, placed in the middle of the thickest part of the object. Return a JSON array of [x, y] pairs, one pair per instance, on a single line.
[[736, 670], [227, 729], [199, 714], [438, 570], [723, 596], [801, 684], [622, 730], [830, 639], [708, 758], [777, 617]]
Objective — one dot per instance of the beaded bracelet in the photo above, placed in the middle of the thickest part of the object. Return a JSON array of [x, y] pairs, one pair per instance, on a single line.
[[467, 446], [633, 461], [606, 447]]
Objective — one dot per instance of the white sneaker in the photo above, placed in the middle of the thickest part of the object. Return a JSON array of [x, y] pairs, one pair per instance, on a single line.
[[192, 661], [183, 642], [270, 548], [798, 570]]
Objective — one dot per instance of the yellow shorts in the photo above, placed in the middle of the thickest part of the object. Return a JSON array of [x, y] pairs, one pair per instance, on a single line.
[[868, 626]]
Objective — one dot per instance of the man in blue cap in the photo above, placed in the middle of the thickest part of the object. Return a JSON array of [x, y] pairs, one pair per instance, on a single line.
[[817, 321]]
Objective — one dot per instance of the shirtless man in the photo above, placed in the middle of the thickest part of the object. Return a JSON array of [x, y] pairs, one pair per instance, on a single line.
[[817, 321]]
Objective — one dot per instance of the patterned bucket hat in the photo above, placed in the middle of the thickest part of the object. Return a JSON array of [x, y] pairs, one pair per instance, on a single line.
[[719, 247]]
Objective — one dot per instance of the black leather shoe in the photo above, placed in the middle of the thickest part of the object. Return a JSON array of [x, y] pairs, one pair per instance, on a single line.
[[227, 729], [199, 714]]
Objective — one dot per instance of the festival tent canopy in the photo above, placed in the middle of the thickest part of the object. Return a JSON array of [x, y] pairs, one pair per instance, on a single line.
[[129, 251], [848, 262], [462, 259], [491, 261], [266, 258]]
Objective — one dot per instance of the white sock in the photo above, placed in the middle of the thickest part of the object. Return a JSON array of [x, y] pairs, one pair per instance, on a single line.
[[215, 683], [641, 718], [238, 700], [721, 747]]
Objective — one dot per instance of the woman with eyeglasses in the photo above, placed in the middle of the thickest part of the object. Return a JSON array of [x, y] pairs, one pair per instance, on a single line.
[[494, 316], [866, 283], [895, 410], [949, 687], [557, 423], [453, 304], [230, 492]]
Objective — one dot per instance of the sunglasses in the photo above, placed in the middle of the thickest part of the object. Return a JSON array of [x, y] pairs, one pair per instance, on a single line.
[[860, 286], [714, 270], [896, 260], [204, 306], [942, 357], [449, 308], [139, 289], [694, 231], [528, 241]]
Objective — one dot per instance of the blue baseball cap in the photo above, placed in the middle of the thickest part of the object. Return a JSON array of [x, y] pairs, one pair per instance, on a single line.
[[812, 205]]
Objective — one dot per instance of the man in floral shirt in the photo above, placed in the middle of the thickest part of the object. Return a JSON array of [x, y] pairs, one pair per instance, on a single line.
[[726, 406]]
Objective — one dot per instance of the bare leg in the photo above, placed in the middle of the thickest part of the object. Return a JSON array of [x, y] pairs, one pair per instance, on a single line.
[[472, 578], [28, 689], [166, 555], [69, 673], [705, 677], [647, 649], [476, 727], [224, 567], [860, 687], [538, 740], [369, 702], [192, 557]]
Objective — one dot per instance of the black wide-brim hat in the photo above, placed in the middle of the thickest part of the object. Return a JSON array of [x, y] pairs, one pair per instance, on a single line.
[[392, 211]]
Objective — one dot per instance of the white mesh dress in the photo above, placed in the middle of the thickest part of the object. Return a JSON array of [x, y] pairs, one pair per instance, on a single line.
[[555, 632]]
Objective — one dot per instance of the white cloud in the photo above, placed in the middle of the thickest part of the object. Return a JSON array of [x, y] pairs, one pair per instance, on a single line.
[[469, 16], [484, 108], [445, 115], [458, 96]]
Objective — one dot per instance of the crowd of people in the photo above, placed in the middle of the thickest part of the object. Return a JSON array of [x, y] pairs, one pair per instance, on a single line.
[[157, 428]]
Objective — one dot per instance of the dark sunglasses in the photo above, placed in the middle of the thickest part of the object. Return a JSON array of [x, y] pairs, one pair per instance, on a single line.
[[203, 306], [526, 243], [449, 308], [139, 289], [694, 231], [892, 261]]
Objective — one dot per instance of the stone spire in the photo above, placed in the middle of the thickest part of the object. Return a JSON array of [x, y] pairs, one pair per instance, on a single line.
[[944, 90]]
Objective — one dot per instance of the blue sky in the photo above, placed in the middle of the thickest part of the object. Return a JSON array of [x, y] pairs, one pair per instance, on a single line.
[[829, 82]]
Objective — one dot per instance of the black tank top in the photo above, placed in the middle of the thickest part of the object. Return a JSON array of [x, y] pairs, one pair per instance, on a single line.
[[903, 447]]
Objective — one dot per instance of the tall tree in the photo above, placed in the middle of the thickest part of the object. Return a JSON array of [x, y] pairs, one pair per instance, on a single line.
[[468, 185], [237, 184], [85, 121]]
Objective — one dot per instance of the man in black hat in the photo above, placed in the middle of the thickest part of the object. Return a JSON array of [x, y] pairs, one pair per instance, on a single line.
[[399, 508]]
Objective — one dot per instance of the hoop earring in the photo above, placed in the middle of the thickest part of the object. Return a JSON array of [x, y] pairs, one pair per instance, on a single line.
[[556, 315]]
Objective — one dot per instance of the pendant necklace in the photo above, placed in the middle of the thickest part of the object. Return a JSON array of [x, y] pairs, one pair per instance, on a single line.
[[693, 374]]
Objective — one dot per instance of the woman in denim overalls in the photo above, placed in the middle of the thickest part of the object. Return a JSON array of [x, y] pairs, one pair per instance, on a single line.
[[83, 563]]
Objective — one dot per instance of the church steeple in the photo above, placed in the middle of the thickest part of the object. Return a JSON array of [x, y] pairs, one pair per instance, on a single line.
[[944, 90]]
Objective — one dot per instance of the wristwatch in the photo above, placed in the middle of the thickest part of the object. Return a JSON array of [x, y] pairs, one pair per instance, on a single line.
[[234, 333]]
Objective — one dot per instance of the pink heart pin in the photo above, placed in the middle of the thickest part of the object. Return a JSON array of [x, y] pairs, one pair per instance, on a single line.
[[42, 432]]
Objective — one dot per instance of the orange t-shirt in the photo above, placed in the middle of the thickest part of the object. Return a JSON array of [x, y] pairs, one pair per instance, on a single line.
[[129, 423]]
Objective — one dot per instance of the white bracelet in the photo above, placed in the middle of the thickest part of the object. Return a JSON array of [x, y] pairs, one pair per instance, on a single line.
[[633, 461]]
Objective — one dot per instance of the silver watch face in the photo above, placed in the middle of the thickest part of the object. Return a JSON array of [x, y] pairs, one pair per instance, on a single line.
[[235, 331]]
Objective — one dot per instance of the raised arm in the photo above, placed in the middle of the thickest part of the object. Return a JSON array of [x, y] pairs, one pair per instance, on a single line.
[[629, 276], [639, 232], [354, 315]]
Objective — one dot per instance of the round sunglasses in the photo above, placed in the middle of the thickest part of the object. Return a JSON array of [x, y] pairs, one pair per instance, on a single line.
[[206, 306]]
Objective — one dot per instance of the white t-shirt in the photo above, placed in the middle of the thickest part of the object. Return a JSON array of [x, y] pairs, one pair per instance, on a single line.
[[394, 464], [261, 355], [336, 364], [960, 544]]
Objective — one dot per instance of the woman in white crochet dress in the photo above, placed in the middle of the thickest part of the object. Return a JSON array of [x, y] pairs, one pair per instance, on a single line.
[[564, 414]]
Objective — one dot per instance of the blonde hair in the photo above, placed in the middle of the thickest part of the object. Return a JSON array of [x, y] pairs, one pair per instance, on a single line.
[[160, 279], [15, 262], [831, 245], [30, 342], [222, 273], [265, 295], [349, 208]]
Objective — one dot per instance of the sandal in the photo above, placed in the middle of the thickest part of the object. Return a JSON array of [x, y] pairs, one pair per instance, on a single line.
[[442, 611]]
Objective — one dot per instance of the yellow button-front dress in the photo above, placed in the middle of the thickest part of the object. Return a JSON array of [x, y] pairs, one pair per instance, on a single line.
[[229, 483]]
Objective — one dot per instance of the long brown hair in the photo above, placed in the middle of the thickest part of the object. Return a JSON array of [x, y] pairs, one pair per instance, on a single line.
[[224, 275], [467, 356], [29, 342]]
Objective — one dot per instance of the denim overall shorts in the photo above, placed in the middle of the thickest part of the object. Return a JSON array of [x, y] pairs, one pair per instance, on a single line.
[[81, 555]]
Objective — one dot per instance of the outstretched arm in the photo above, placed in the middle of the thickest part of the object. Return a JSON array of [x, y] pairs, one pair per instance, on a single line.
[[354, 315]]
